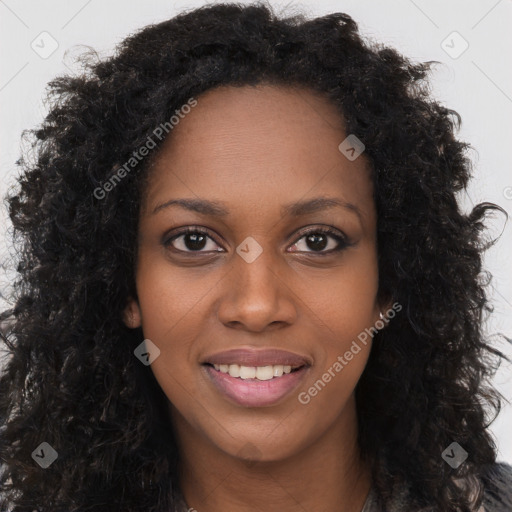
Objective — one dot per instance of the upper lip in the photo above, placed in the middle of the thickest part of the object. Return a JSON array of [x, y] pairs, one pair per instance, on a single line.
[[257, 357]]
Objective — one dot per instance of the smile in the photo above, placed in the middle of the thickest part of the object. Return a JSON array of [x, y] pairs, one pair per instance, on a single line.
[[255, 372], [247, 390]]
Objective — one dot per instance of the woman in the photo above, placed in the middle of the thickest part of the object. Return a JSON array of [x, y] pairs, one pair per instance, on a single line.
[[246, 284]]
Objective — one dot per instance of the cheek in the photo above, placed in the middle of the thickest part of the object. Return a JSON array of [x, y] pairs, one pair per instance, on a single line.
[[344, 303], [173, 325], [170, 298], [171, 310], [345, 309]]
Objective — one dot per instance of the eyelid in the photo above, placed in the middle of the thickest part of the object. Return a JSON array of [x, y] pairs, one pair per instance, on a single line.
[[168, 238], [321, 228], [342, 239]]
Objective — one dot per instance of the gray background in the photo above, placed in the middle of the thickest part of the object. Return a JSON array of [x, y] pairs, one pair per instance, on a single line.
[[476, 82]]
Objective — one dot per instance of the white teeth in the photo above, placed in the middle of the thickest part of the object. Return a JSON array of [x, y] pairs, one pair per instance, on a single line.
[[247, 372], [234, 370], [253, 372], [264, 372], [278, 370]]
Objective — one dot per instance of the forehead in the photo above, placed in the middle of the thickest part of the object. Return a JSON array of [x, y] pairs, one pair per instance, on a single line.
[[256, 145]]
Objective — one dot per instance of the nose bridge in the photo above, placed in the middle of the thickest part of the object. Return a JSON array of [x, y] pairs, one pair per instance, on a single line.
[[256, 295], [256, 271]]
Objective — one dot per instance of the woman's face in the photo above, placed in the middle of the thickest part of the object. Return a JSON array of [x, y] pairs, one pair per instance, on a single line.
[[262, 277]]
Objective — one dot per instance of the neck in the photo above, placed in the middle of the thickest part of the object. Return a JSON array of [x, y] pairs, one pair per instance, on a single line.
[[326, 475]]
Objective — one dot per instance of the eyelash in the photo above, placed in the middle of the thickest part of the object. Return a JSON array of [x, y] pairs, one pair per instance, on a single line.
[[343, 243]]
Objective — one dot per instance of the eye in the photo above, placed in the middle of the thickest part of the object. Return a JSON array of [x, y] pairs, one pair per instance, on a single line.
[[196, 240], [193, 239], [318, 240]]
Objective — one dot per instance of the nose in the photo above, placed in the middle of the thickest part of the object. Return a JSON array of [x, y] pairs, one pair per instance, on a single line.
[[257, 296]]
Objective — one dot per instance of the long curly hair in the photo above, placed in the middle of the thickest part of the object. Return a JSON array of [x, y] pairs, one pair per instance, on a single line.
[[71, 378]]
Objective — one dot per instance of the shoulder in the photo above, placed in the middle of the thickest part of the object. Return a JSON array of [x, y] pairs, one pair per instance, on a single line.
[[497, 481]]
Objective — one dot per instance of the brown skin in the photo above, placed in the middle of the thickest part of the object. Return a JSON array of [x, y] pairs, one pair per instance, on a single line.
[[256, 149]]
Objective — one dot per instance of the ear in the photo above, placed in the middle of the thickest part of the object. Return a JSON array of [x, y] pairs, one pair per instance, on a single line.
[[384, 307], [132, 316]]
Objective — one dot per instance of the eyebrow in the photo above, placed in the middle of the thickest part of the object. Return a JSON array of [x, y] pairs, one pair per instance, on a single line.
[[304, 207]]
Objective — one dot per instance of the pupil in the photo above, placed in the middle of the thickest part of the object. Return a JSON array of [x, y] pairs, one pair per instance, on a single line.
[[313, 243], [195, 241]]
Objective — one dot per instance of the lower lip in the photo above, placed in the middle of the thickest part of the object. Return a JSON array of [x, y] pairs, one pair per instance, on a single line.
[[254, 392]]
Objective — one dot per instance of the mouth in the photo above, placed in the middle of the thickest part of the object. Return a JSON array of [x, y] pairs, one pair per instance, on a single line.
[[250, 386], [261, 373]]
